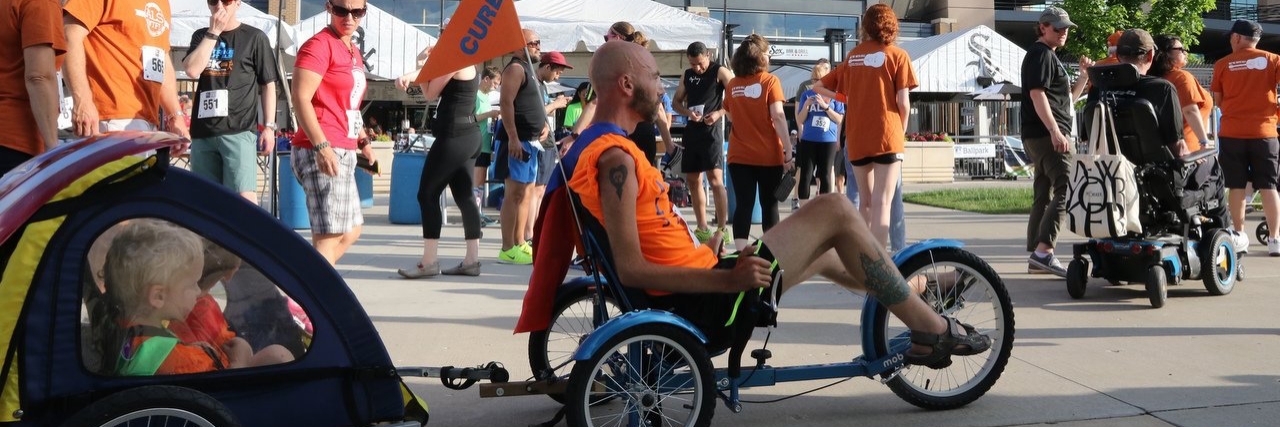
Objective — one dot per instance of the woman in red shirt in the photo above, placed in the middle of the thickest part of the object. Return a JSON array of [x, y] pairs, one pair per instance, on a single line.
[[759, 147], [875, 80]]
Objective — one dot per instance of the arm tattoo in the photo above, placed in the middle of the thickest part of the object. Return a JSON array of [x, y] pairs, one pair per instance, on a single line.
[[618, 177], [884, 281]]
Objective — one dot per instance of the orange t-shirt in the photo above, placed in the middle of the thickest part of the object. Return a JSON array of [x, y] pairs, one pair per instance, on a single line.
[[870, 78], [753, 140], [26, 23], [665, 238], [125, 54], [1247, 82], [1190, 92], [205, 324], [186, 358]]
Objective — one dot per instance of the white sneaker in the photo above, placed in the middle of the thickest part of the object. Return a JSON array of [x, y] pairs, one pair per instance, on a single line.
[[1240, 242], [1273, 247]]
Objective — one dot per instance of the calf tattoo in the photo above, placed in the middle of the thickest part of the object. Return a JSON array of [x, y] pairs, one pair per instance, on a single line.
[[618, 177], [883, 280]]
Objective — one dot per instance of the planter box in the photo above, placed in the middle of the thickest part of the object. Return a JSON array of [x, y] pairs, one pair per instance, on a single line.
[[928, 161]]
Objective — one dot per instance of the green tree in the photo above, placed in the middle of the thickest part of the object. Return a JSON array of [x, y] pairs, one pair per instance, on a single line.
[[1099, 18]]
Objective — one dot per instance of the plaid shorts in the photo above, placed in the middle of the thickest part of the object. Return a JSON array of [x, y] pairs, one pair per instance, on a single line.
[[333, 204]]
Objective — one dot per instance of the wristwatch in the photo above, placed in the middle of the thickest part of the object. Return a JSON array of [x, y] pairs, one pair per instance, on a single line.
[[271, 125], [321, 145]]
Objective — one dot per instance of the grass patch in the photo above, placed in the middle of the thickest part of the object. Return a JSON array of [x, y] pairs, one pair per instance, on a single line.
[[978, 200]]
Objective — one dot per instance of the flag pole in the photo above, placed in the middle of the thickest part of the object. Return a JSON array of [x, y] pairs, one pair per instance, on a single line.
[[283, 81]]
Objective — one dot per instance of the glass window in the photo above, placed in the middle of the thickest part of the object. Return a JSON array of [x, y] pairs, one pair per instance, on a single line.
[[161, 300], [789, 25]]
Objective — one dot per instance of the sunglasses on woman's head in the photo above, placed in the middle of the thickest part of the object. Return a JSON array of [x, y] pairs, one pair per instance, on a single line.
[[342, 12]]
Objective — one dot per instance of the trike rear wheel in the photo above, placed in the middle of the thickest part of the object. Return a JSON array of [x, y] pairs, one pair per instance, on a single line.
[[155, 405], [649, 374], [551, 349], [963, 286]]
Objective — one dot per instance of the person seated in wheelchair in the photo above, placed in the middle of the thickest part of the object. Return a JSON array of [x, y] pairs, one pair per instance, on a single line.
[[654, 250], [1124, 85]]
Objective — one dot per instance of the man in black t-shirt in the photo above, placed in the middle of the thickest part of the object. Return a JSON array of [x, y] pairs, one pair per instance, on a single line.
[[1048, 95], [236, 68]]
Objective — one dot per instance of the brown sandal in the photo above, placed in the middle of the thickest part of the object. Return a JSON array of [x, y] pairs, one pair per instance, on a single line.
[[947, 344]]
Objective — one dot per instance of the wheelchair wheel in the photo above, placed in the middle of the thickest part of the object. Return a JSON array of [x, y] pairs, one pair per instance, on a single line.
[[551, 350], [1077, 278], [653, 373], [1218, 263], [1157, 286], [155, 405], [975, 295], [1262, 232]]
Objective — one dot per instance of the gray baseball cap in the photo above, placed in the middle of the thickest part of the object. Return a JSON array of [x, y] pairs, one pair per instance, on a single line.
[[1056, 16]]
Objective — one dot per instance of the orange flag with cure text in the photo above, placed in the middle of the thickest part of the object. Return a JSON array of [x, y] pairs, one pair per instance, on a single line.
[[479, 30]]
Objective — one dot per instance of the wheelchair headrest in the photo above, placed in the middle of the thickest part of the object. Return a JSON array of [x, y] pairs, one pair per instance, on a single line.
[[1114, 76]]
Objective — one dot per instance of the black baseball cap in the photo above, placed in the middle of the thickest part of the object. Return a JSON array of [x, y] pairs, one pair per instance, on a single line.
[[1246, 28]]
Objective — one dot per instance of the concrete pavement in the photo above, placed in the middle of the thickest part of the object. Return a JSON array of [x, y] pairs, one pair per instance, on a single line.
[[1107, 360]]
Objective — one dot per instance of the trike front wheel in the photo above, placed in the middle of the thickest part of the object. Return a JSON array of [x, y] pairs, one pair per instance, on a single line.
[[963, 286], [648, 374]]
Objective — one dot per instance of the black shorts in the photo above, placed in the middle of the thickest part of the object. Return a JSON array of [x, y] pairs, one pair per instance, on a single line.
[[883, 159], [547, 159], [715, 313], [703, 149], [1250, 161], [484, 160]]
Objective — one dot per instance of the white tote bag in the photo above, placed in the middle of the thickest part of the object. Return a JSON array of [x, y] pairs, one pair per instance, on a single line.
[[1102, 200]]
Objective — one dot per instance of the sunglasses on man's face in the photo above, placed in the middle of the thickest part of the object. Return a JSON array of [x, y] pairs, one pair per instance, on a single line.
[[535, 43], [342, 12], [224, 2]]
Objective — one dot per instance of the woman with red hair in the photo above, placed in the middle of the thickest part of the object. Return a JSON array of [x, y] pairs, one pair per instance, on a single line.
[[874, 80]]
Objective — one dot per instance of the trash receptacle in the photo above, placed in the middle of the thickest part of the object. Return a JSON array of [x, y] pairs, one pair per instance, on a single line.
[[406, 172], [364, 186], [292, 201]]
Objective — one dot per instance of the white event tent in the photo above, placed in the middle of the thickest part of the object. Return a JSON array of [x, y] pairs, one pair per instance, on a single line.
[[952, 62], [390, 45], [192, 15], [571, 25]]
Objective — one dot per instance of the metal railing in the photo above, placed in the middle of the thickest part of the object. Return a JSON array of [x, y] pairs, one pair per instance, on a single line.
[[960, 117], [1001, 160]]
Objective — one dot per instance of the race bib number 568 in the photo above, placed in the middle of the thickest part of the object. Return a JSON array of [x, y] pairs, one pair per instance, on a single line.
[[153, 59]]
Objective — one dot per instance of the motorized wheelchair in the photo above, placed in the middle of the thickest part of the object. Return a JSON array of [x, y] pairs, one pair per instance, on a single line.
[[616, 356], [1182, 208]]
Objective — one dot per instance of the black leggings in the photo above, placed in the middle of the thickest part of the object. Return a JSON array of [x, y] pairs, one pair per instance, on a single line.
[[449, 163], [815, 155], [10, 159], [746, 179]]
